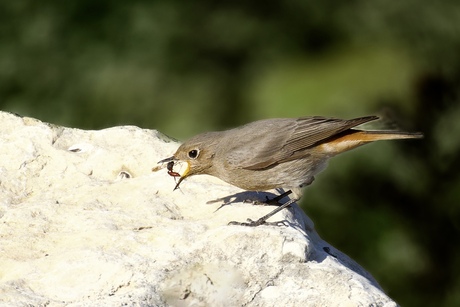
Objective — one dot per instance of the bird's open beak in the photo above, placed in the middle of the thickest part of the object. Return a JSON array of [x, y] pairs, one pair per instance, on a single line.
[[167, 160], [182, 172]]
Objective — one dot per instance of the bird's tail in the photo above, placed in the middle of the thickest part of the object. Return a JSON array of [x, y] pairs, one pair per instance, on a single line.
[[353, 138], [375, 135]]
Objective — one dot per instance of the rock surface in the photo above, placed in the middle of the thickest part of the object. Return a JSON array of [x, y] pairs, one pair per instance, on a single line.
[[85, 222]]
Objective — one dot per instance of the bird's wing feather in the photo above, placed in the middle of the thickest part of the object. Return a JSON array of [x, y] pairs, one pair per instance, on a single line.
[[286, 139]]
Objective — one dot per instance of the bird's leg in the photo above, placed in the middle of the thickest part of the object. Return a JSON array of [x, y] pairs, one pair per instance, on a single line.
[[263, 219], [275, 200], [270, 202]]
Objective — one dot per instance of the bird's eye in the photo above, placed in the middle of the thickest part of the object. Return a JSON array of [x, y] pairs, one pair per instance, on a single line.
[[192, 154]]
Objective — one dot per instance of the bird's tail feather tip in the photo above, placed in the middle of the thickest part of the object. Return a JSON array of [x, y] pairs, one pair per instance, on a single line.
[[395, 134]]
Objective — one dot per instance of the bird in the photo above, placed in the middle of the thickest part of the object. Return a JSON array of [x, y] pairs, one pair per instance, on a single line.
[[275, 153]]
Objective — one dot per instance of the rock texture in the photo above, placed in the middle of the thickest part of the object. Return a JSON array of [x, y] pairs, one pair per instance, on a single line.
[[85, 222]]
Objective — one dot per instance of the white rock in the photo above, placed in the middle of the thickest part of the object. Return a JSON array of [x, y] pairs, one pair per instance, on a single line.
[[85, 222]]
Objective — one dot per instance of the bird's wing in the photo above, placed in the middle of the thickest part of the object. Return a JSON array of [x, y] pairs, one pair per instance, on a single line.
[[286, 139]]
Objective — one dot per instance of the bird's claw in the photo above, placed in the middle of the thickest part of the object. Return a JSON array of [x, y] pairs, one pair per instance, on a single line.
[[261, 221], [249, 223]]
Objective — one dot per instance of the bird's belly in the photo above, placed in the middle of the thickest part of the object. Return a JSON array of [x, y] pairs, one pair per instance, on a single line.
[[285, 175]]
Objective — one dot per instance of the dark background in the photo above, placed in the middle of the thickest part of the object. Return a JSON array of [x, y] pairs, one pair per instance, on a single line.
[[184, 67]]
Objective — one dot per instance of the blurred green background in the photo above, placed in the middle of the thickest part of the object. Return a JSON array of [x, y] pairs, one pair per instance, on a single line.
[[184, 67]]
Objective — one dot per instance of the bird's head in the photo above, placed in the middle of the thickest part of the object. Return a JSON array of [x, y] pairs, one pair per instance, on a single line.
[[193, 157]]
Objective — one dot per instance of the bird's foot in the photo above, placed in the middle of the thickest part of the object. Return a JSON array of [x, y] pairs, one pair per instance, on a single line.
[[249, 223], [263, 219]]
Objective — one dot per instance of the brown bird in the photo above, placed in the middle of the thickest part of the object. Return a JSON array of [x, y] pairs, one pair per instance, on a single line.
[[274, 153]]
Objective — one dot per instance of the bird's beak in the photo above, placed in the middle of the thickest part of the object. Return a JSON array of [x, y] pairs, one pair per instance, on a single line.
[[183, 174], [167, 160], [178, 183], [184, 169]]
